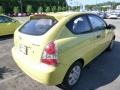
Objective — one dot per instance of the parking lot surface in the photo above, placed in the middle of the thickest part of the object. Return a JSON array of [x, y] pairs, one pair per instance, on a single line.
[[103, 73]]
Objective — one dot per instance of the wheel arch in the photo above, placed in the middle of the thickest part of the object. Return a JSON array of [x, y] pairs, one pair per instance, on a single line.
[[114, 37], [80, 60]]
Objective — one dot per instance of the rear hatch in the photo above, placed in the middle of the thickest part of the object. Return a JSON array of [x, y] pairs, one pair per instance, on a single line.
[[30, 39]]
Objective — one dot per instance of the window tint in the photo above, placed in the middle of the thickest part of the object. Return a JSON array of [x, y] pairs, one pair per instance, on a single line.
[[97, 23], [1, 19], [38, 26], [78, 25], [4, 19]]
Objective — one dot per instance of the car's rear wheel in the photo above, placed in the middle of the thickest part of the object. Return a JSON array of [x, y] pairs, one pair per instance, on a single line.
[[72, 76], [111, 45]]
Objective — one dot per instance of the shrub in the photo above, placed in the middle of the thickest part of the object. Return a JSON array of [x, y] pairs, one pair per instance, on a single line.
[[1, 10], [47, 9], [29, 9], [54, 9], [63, 8], [59, 9], [16, 10], [40, 9]]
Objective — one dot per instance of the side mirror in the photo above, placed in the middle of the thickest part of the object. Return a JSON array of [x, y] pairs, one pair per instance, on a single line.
[[110, 26]]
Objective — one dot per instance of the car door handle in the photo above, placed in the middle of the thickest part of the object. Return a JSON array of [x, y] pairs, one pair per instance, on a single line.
[[98, 36]]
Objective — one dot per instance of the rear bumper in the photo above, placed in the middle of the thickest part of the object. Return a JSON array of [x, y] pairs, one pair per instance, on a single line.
[[40, 72]]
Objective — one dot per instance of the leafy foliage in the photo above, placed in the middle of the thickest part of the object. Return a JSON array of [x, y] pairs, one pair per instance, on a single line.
[[40, 9], [16, 10], [36, 5], [102, 6], [47, 9], [29, 9], [1, 10], [59, 8], [54, 9], [7, 6]]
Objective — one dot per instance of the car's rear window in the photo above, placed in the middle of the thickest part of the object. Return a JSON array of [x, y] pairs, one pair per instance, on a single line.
[[38, 26]]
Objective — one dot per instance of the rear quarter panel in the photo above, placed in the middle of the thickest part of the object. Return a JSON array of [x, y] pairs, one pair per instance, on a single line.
[[109, 35], [73, 47]]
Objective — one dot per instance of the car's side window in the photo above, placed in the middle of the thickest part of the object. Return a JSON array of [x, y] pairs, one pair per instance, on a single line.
[[1, 19], [97, 23], [78, 25], [4, 19]]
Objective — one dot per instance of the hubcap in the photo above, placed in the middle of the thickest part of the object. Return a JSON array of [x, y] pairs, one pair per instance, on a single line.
[[74, 75]]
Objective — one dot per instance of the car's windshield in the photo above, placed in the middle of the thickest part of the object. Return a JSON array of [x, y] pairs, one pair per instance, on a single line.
[[38, 26]]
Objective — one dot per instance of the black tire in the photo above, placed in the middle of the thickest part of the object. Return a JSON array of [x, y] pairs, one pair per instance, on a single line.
[[66, 82], [111, 45]]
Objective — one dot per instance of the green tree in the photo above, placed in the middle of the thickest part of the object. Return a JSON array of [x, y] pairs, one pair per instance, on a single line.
[[47, 9], [8, 5], [54, 9], [1, 10], [29, 9], [77, 8], [114, 5], [89, 7], [63, 8], [103, 8], [66, 8], [16, 10], [59, 9], [40, 9]]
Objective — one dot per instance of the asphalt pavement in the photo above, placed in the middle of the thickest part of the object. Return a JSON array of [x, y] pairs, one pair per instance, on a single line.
[[103, 73]]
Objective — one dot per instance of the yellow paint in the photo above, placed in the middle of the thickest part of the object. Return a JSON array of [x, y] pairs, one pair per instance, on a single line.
[[7, 28], [71, 47]]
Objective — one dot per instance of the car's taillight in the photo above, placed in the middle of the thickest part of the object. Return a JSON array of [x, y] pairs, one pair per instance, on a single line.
[[49, 55]]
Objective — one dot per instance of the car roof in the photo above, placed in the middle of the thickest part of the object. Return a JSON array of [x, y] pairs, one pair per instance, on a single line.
[[6, 16], [61, 15]]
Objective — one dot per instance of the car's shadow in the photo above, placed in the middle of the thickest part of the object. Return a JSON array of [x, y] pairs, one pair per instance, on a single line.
[[2, 38], [4, 70], [101, 71]]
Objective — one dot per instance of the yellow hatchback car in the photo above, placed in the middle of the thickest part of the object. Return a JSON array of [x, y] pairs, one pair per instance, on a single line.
[[53, 48], [7, 25]]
